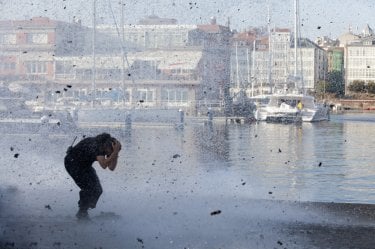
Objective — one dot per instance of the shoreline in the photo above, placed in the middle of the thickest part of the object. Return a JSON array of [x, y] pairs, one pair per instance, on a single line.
[[249, 224]]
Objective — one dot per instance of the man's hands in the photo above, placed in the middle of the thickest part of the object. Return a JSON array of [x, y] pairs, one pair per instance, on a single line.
[[110, 162], [116, 145]]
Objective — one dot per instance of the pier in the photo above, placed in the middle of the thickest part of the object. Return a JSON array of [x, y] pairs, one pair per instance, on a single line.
[[353, 104]]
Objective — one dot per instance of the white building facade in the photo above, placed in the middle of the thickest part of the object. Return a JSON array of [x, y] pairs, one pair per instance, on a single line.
[[271, 63], [360, 63]]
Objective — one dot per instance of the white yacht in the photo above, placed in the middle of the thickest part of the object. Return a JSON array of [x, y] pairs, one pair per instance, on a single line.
[[260, 102], [292, 107], [292, 104]]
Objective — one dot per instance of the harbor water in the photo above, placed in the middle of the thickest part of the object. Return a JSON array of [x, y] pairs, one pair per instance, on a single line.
[[171, 183], [326, 161]]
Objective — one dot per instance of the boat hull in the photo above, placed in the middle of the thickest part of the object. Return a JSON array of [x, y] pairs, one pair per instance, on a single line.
[[315, 115]]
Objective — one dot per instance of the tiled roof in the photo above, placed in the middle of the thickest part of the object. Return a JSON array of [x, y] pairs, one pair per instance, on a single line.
[[212, 28]]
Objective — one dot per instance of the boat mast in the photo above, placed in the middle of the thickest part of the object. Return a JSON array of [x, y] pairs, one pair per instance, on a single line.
[[237, 67], [295, 38], [93, 75], [123, 51], [248, 70], [269, 76], [121, 35], [297, 35], [253, 69]]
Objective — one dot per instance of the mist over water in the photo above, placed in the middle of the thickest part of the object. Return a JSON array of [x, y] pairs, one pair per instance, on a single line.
[[172, 184], [328, 161]]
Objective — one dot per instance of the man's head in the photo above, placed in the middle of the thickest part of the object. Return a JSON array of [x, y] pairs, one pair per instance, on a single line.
[[105, 142]]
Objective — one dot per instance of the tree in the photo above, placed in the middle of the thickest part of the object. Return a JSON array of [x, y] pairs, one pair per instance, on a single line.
[[320, 88], [358, 86], [371, 87], [335, 83]]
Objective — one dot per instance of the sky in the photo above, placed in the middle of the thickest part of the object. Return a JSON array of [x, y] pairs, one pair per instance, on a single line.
[[318, 17]]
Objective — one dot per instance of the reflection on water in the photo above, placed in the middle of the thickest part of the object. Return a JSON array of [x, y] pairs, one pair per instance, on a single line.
[[326, 161]]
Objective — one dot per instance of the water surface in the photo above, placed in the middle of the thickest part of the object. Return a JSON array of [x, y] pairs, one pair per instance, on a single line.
[[327, 161]]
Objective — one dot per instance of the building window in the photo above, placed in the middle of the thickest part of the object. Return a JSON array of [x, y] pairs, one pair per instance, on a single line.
[[145, 95], [37, 38], [36, 67], [64, 67], [7, 66], [8, 39], [174, 95]]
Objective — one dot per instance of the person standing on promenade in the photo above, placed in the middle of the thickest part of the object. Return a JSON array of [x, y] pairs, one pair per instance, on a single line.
[[78, 162], [299, 105]]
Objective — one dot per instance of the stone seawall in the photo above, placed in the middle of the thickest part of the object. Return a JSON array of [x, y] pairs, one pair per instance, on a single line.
[[351, 104]]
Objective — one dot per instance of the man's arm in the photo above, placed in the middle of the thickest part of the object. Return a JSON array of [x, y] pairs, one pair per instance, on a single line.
[[111, 161]]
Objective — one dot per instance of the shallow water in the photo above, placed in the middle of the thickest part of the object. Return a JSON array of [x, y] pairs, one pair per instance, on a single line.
[[327, 161], [169, 183]]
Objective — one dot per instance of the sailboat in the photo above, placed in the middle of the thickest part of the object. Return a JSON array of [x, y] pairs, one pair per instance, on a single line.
[[293, 104], [261, 100]]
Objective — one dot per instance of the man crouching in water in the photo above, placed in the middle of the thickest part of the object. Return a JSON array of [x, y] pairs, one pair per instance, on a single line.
[[78, 162]]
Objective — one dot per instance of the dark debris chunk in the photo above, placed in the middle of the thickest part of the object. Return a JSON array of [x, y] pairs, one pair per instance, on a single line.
[[215, 212]]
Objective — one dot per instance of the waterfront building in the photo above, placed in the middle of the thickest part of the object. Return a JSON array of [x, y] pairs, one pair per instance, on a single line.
[[359, 57], [335, 58], [313, 61], [156, 79], [141, 37], [242, 58], [325, 42], [28, 47], [347, 38], [360, 63], [157, 63], [270, 64], [155, 39]]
